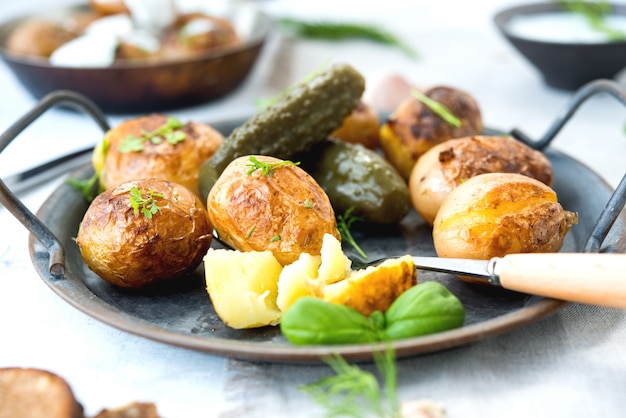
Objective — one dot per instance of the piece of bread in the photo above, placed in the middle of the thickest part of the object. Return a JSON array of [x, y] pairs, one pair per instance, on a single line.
[[35, 393]]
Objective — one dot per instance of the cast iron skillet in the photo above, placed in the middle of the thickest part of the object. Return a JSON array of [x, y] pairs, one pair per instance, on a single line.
[[181, 314]]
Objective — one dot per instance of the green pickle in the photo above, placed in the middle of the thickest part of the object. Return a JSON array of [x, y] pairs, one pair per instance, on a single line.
[[357, 177], [306, 115]]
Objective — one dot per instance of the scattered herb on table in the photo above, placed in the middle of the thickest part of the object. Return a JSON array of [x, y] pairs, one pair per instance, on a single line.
[[344, 223], [356, 392], [439, 108], [335, 31], [595, 13], [146, 205], [267, 169], [170, 131]]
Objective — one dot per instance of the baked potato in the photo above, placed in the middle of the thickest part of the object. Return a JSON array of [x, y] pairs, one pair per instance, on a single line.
[[196, 33], [38, 37], [495, 214], [243, 287], [360, 127], [447, 165], [144, 231], [263, 203], [155, 146], [413, 128], [330, 277]]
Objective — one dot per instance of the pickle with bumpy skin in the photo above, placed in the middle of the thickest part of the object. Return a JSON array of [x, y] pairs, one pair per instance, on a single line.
[[356, 177], [306, 115]]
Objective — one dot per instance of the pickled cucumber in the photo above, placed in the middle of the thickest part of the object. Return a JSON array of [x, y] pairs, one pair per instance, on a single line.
[[306, 115], [357, 177]]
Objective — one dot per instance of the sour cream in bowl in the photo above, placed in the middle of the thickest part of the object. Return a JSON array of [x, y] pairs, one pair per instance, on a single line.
[[563, 46]]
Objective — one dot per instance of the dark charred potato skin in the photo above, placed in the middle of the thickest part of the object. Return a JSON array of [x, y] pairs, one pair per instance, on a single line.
[[413, 128], [130, 250]]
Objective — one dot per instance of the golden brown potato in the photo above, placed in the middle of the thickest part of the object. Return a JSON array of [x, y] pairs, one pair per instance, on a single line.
[[129, 247], [495, 214], [108, 7], [126, 153], [413, 128], [446, 165], [282, 210], [38, 37], [360, 127], [195, 33]]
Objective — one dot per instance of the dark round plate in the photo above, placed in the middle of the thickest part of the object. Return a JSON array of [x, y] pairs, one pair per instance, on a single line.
[[181, 313]]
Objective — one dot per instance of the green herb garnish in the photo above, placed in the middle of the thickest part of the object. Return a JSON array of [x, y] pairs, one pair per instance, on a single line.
[[86, 187], [595, 13], [267, 169], [169, 131], [263, 103], [275, 238], [308, 204], [344, 223], [440, 109], [146, 205], [356, 392], [250, 231], [335, 31]]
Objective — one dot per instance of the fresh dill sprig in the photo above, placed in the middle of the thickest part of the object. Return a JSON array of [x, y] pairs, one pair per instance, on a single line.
[[146, 205], [336, 31], [440, 109], [267, 169], [169, 131], [358, 393], [263, 103], [86, 187], [595, 13], [344, 223]]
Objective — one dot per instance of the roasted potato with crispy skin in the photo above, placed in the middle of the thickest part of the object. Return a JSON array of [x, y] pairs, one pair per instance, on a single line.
[[38, 37], [144, 231], [264, 203], [495, 214], [446, 165], [155, 146], [360, 127], [413, 128]]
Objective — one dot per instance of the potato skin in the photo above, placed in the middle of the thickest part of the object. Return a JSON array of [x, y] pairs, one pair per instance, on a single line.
[[179, 163], [495, 214], [129, 250], [360, 127], [413, 128], [447, 165], [286, 213]]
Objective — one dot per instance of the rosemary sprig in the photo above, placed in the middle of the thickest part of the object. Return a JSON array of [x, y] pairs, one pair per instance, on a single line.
[[267, 169], [146, 205], [356, 392], [169, 131], [344, 223], [263, 103], [335, 31], [595, 13], [440, 109]]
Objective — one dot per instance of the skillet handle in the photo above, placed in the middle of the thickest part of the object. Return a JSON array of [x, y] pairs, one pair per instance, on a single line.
[[594, 278], [13, 204]]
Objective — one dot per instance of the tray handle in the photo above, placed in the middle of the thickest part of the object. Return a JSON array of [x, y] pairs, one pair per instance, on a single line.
[[12, 203], [617, 201]]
